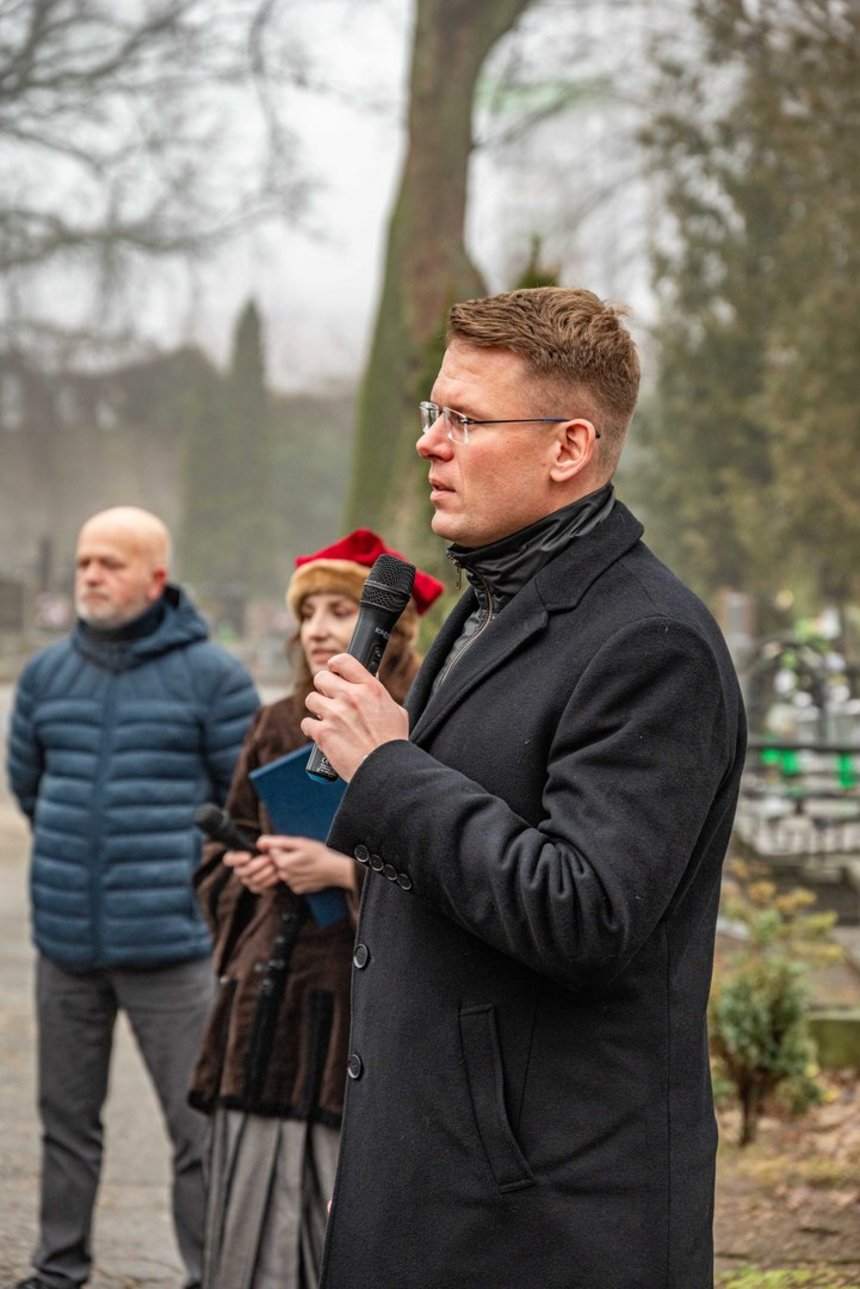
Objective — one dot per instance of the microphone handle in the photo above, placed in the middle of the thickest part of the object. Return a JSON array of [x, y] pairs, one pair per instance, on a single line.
[[220, 827], [367, 644]]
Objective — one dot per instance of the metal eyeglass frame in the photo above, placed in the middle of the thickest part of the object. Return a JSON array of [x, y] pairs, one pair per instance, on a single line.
[[458, 423]]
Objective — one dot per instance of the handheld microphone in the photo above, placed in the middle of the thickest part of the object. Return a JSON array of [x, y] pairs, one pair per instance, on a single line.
[[327, 906], [386, 594], [218, 825]]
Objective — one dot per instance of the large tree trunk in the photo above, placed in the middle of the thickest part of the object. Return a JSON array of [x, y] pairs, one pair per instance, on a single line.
[[427, 267]]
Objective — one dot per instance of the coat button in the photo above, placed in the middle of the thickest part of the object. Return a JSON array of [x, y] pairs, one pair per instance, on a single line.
[[389, 871], [355, 1066], [361, 956], [376, 863], [404, 881], [362, 854]]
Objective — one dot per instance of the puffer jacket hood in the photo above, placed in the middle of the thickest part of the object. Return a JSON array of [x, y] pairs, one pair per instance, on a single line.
[[171, 623]]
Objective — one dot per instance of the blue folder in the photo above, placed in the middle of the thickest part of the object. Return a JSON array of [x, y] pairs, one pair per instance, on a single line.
[[303, 807]]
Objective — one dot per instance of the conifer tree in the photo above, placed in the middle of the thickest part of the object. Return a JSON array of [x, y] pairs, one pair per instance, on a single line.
[[228, 543], [743, 452]]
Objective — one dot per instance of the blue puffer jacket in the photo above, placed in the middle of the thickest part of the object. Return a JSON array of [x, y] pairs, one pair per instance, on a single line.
[[116, 737]]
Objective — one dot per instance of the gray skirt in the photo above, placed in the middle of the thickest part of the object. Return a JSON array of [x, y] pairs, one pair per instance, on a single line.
[[270, 1181]]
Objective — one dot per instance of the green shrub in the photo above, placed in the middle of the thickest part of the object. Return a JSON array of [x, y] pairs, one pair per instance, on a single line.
[[759, 1009]]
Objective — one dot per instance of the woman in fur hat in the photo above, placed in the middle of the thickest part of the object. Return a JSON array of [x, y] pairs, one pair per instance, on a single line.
[[272, 1067]]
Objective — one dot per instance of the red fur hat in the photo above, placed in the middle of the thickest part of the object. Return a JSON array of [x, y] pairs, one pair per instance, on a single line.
[[343, 567]]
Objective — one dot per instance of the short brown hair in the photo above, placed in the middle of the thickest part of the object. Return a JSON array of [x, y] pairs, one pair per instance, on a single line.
[[569, 336]]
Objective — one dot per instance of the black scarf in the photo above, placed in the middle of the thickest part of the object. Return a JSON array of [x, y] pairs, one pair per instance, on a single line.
[[497, 571]]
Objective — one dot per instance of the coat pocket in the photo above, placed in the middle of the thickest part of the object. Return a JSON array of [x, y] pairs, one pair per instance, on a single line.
[[480, 1040]]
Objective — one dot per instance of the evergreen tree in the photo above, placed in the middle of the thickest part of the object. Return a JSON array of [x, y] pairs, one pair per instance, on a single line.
[[745, 446], [228, 543]]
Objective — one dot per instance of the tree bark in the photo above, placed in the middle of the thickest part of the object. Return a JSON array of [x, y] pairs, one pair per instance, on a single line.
[[427, 267]]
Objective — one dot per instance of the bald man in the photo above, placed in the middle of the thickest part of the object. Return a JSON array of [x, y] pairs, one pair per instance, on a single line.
[[121, 565], [118, 733]]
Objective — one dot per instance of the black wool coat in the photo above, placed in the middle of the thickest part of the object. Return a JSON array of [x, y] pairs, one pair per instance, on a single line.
[[529, 1100]]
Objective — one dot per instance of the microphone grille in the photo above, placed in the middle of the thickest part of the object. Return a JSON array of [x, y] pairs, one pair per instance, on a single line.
[[208, 816], [389, 583]]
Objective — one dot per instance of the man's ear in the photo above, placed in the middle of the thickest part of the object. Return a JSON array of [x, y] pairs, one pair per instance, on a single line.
[[157, 584], [575, 445]]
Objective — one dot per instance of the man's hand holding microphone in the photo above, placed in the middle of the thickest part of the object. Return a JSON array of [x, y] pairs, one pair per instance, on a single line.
[[352, 713]]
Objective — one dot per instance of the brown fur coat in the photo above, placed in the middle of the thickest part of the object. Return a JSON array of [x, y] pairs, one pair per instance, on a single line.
[[276, 1042]]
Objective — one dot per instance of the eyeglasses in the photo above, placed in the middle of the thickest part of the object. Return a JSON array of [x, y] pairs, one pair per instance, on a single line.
[[457, 425]]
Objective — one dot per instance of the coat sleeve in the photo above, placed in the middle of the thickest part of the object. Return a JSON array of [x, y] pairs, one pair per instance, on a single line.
[[224, 901], [229, 710], [633, 770], [25, 761]]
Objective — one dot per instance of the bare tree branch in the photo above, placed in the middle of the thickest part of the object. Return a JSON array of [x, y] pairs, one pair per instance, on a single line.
[[132, 128]]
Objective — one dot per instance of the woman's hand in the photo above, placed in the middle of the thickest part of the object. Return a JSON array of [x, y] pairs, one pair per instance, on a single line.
[[307, 866], [257, 872]]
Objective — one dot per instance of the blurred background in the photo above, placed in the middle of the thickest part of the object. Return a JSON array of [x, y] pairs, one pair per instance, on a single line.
[[230, 231]]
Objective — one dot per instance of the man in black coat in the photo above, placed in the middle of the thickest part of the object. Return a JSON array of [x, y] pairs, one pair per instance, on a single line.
[[529, 1101]]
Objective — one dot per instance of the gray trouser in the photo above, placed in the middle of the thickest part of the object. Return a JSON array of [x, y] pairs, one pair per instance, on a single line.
[[167, 1008]]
